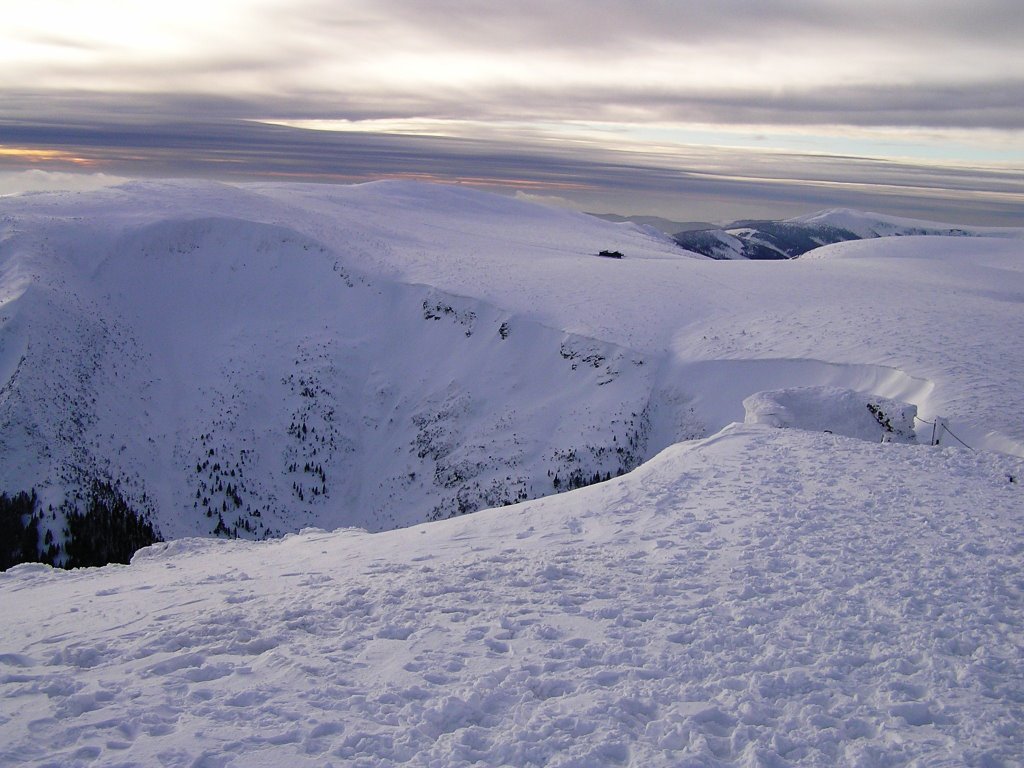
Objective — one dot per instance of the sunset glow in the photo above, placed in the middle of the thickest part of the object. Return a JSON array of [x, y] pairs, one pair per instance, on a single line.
[[672, 91], [31, 156]]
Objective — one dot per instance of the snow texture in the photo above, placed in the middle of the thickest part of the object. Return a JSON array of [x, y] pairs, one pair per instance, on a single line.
[[834, 410], [763, 597], [275, 356], [372, 357]]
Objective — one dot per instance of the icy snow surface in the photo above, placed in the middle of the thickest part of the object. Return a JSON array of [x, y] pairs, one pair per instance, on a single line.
[[762, 597]]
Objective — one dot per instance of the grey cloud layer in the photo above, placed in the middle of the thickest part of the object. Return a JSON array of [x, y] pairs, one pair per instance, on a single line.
[[605, 26], [997, 104], [899, 62], [184, 110], [717, 184]]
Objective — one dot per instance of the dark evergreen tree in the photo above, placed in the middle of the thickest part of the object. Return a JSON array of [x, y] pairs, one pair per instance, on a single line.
[[19, 529], [109, 531]]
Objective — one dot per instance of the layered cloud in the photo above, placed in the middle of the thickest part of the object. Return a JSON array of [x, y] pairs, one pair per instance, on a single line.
[[935, 63], [901, 98], [696, 181]]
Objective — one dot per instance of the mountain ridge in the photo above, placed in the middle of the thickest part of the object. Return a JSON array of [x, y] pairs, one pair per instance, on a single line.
[[260, 359], [762, 239]]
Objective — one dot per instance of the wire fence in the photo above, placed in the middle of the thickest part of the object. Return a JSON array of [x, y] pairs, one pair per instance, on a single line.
[[938, 427]]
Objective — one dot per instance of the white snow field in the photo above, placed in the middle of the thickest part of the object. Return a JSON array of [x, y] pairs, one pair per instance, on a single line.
[[817, 586], [762, 597]]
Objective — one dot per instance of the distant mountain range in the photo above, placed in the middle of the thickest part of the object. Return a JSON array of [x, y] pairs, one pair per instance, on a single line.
[[789, 238], [668, 226]]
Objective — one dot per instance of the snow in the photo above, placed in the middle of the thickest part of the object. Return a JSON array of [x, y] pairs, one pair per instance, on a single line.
[[883, 225], [834, 410], [146, 325], [792, 238], [762, 596], [215, 350]]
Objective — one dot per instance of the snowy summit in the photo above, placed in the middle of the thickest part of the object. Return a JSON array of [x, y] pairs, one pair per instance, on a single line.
[[711, 524]]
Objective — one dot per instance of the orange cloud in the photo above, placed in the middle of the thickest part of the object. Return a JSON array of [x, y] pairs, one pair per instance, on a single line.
[[34, 156]]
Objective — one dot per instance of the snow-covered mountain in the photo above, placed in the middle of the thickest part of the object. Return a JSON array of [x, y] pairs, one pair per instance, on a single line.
[[253, 360], [794, 237], [227, 369], [812, 583]]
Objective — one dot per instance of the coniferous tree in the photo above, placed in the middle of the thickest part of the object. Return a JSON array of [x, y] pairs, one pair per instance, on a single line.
[[19, 529], [109, 531]]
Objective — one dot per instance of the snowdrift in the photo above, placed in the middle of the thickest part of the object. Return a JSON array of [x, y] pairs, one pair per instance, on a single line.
[[836, 411]]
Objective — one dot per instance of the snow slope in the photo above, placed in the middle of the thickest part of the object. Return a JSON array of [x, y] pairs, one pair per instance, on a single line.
[[836, 411], [277, 356], [228, 369], [764, 597]]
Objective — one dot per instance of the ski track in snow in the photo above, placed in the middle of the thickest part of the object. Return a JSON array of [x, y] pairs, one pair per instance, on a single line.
[[765, 597]]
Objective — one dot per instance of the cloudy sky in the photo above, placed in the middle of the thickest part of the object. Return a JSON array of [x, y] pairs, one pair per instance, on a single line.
[[692, 111]]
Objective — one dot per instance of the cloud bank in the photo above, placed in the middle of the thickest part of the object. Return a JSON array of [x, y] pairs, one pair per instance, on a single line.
[[908, 105], [698, 182]]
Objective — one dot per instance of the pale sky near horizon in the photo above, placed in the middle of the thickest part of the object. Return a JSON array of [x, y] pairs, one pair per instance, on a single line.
[[685, 110]]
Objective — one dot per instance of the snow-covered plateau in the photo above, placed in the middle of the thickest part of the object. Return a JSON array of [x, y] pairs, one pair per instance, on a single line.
[[770, 563]]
